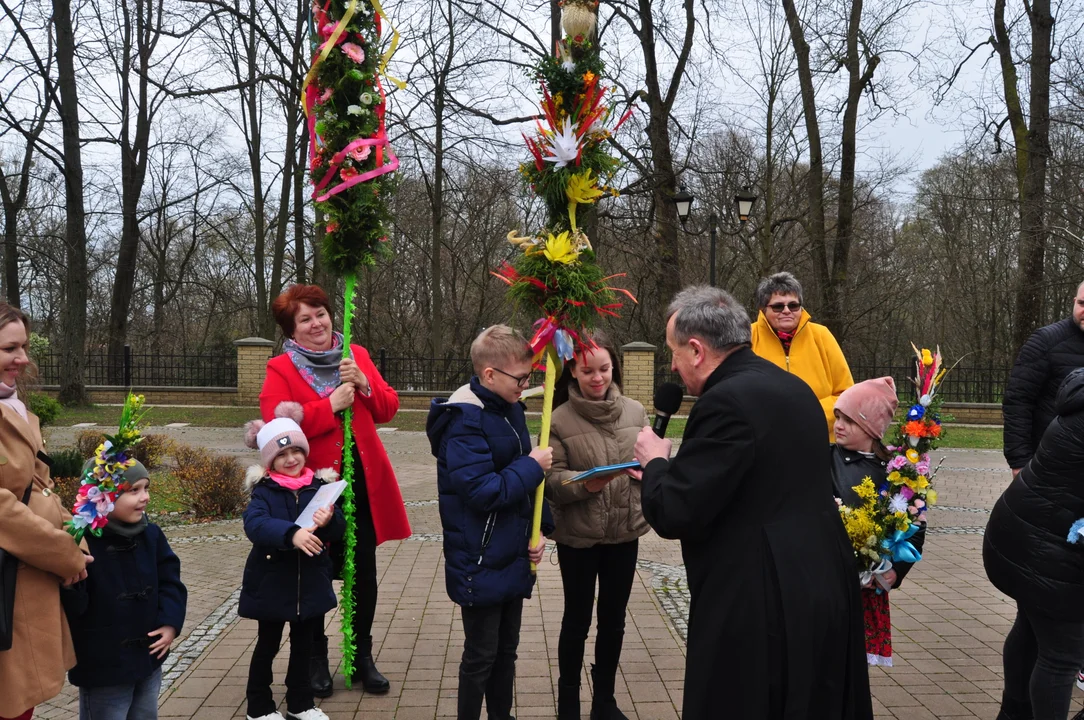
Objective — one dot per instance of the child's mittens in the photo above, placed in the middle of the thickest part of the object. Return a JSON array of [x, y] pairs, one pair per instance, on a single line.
[[1076, 532]]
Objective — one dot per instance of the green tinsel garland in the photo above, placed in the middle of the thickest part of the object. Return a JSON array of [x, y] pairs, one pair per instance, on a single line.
[[346, 602]]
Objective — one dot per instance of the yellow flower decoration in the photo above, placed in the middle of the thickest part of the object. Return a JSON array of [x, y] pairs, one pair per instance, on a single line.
[[894, 477], [865, 489], [912, 456], [559, 249], [931, 497], [581, 189], [927, 357]]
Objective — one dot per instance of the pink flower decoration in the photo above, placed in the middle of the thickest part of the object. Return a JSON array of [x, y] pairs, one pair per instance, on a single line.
[[354, 52], [907, 492], [348, 173], [923, 468], [922, 518], [326, 95], [920, 503], [896, 463], [327, 29], [361, 153], [332, 226]]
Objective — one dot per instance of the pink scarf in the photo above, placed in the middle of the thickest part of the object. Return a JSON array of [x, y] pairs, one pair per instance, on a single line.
[[292, 483], [9, 398]]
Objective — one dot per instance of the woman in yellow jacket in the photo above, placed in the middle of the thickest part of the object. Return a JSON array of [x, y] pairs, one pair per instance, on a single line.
[[785, 335]]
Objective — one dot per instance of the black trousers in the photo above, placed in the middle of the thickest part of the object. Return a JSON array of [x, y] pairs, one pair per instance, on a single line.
[[614, 566], [488, 668], [260, 676], [1041, 658], [365, 589]]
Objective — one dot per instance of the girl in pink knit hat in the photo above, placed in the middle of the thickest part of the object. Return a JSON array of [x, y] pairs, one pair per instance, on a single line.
[[863, 413]]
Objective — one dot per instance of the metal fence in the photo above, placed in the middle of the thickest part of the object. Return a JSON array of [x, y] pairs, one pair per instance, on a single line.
[[404, 372], [209, 369], [963, 384]]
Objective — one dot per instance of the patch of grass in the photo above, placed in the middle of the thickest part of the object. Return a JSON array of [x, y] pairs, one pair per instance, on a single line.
[[974, 438], [166, 494], [157, 415]]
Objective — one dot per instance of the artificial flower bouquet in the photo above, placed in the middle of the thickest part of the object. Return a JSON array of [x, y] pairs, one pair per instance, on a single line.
[[880, 529], [103, 476]]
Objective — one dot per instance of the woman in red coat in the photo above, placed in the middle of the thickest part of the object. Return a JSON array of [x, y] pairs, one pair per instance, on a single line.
[[311, 371]]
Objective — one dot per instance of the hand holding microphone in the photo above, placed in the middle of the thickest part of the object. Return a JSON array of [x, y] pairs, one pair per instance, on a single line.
[[651, 444]]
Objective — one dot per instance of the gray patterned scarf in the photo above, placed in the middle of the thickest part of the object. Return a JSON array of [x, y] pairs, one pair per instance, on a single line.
[[319, 368]]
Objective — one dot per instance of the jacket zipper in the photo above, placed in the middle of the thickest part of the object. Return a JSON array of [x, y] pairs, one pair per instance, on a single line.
[[786, 352], [487, 535], [297, 502]]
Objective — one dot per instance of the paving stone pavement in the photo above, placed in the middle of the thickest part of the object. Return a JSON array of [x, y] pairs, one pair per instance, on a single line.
[[949, 623]]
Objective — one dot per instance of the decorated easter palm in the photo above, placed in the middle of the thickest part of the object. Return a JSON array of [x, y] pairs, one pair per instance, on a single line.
[[556, 274], [351, 163]]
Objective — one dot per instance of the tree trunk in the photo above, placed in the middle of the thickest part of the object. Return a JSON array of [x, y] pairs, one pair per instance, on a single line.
[[814, 180], [668, 262], [832, 313], [1029, 283], [133, 171], [11, 254], [74, 315], [299, 208], [251, 101]]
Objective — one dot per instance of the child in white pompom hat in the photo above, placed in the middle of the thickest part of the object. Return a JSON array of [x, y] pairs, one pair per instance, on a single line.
[[288, 572]]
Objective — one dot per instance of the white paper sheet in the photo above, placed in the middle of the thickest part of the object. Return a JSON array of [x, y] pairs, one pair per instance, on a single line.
[[324, 497]]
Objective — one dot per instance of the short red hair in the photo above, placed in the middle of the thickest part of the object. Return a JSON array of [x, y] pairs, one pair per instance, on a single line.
[[286, 305]]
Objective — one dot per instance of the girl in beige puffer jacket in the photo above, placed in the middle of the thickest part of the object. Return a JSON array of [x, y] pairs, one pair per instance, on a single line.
[[598, 521]]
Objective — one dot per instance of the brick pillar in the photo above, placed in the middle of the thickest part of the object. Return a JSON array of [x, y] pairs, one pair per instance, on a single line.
[[252, 356], [638, 367]]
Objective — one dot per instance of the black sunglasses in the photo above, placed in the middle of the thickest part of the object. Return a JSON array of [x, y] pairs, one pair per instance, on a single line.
[[520, 381], [780, 307]]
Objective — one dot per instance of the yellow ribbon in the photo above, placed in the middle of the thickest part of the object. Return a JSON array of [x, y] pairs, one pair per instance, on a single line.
[[340, 28], [382, 70]]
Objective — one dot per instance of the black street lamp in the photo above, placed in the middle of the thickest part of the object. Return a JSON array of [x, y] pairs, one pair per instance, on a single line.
[[743, 201]]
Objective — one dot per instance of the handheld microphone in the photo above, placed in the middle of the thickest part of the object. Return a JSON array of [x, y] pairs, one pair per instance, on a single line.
[[668, 398]]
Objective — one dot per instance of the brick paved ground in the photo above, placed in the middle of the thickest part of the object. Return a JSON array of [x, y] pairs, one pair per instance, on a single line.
[[949, 623]]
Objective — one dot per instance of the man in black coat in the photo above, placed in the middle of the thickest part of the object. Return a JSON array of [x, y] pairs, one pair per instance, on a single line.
[[775, 623], [1047, 358]]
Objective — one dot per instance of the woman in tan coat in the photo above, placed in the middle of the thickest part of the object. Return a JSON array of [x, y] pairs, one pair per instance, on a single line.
[[598, 521], [32, 671]]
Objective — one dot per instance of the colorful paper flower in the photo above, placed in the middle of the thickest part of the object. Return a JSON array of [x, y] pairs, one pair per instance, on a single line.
[[348, 173], [354, 52], [912, 456], [916, 412], [360, 154], [559, 249]]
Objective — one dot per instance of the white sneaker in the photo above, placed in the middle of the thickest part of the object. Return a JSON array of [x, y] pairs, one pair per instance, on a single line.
[[1080, 679], [310, 714], [271, 716]]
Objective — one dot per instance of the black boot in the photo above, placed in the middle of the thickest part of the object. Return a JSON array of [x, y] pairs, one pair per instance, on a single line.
[[319, 675], [365, 670], [568, 700], [603, 704], [1015, 709]]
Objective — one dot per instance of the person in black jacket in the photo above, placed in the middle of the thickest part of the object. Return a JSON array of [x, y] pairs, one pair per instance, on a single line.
[[775, 621], [1028, 556], [127, 613], [863, 413], [1049, 355], [288, 572]]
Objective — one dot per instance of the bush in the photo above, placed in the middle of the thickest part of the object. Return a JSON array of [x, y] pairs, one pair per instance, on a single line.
[[46, 408], [151, 451], [67, 463], [66, 486], [211, 485]]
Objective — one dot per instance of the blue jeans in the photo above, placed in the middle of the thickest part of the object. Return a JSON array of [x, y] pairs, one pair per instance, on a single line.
[[122, 702]]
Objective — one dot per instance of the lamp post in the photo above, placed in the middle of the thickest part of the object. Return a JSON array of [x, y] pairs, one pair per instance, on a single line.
[[744, 200]]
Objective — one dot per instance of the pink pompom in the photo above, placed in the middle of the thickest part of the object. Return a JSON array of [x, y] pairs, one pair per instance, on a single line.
[[252, 427], [290, 409]]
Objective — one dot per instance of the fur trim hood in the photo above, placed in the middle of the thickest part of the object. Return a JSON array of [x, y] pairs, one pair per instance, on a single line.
[[256, 474]]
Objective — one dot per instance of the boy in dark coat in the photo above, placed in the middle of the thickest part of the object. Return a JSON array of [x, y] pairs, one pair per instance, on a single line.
[[487, 475], [288, 572], [127, 613], [775, 621]]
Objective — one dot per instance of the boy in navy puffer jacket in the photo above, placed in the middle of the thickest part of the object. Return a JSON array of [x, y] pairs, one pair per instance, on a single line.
[[487, 475]]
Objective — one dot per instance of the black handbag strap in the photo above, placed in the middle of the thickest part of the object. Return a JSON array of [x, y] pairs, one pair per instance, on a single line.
[[26, 495]]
